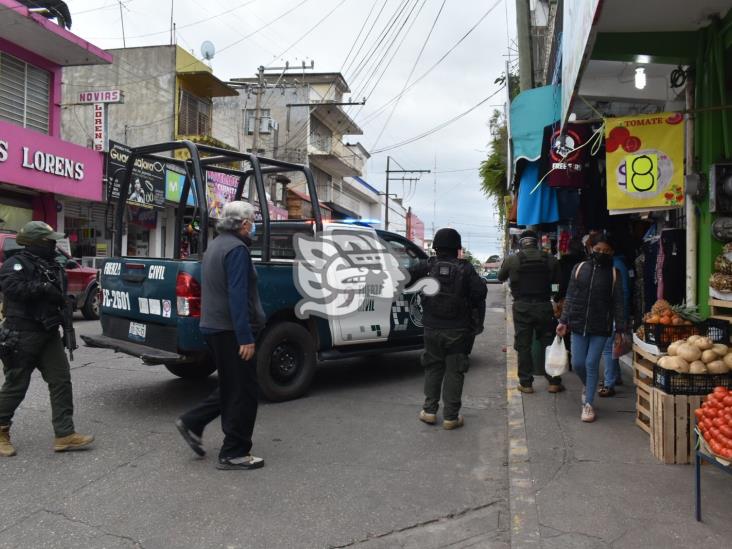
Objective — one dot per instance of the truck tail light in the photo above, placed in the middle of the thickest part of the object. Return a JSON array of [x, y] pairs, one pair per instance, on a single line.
[[188, 295]]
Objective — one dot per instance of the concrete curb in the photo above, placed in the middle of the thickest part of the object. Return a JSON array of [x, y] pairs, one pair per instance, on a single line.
[[522, 503]]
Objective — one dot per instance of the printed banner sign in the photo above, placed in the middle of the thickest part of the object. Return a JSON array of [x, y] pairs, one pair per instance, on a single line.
[[220, 189], [645, 162], [174, 180], [147, 188]]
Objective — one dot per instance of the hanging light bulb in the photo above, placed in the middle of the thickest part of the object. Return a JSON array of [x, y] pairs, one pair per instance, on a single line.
[[640, 78]]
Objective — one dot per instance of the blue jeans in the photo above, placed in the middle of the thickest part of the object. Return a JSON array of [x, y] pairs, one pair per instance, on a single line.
[[612, 365], [586, 351]]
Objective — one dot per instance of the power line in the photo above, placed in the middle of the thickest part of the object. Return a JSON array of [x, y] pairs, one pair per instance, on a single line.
[[411, 72], [376, 112], [438, 127]]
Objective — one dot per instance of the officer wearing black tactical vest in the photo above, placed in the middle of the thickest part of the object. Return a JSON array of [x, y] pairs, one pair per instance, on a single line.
[[451, 319], [34, 300], [531, 273]]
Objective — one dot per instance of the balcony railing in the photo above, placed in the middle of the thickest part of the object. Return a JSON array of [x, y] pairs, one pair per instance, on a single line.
[[321, 145]]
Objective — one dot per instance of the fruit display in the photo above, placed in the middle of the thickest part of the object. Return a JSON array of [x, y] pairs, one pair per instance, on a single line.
[[714, 421], [697, 355], [663, 313]]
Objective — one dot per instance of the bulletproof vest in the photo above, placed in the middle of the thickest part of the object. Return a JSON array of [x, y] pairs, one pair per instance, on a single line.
[[451, 302], [534, 281]]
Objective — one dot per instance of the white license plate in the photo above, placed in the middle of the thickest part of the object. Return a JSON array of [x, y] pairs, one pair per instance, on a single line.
[[138, 331]]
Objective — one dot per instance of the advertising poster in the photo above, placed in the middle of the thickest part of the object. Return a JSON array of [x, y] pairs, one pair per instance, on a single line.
[[645, 162], [174, 186], [147, 186], [220, 189]]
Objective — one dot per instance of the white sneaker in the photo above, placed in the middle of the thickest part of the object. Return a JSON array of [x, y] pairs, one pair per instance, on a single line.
[[588, 413]]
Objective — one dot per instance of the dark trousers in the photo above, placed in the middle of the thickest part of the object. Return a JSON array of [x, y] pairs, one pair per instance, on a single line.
[[235, 399], [445, 361], [532, 320], [45, 351]]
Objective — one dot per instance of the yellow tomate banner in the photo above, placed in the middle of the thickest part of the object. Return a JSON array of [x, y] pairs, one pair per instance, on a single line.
[[645, 162]]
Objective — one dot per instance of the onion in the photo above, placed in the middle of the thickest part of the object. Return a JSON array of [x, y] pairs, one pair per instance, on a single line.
[[709, 356], [697, 367], [688, 352], [704, 343], [717, 367]]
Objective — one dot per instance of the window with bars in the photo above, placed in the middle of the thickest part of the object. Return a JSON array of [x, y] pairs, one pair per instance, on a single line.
[[25, 94], [194, 117]]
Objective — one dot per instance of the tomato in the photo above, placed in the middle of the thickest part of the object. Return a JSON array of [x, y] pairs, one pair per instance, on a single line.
[[726, 430], [675, 118], [714, 432], [699, 414], [619, 134], [632, 144], [718, 422], [611, 145], [711, 412], [707, 423], [727, 401], [715, 446], [726, 453], [719, 390]]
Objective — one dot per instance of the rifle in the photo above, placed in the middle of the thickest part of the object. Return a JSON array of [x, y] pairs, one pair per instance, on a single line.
[[69, 332]]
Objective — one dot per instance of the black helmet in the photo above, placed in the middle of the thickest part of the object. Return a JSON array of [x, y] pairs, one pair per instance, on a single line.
[[447, 238]]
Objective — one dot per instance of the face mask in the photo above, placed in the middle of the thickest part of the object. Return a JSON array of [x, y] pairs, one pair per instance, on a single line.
[[604, 260], [253, 230]]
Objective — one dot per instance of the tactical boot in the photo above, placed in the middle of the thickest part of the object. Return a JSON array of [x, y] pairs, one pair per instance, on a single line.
[[427, 417], [74, 441], [450, 424], [6, 447]]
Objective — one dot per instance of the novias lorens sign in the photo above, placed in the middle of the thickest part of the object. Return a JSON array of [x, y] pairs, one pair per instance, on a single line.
[[45, 162], [100, 96]]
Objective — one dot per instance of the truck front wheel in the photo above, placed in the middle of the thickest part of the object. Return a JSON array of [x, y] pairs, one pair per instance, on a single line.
[[285, 361]]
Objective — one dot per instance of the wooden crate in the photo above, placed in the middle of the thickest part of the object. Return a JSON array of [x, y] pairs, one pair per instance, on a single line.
[[721, 309], [643, 379], [672, 426]]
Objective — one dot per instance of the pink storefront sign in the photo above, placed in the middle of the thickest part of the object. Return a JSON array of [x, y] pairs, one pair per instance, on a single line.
[[38, 161]]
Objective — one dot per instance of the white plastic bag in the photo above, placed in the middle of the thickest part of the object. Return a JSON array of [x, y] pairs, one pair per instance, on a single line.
[[556, 361]]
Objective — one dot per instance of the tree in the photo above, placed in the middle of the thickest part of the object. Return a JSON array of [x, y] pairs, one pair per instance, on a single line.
[[470, 257], [493, 171]]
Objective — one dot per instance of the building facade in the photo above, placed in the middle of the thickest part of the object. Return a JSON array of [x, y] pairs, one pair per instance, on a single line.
[[301, 118], [39, 170], [164, 93]]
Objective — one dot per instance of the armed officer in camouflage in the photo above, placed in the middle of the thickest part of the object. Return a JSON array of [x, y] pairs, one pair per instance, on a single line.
[[531, 273], [34, 294], [451, 319]]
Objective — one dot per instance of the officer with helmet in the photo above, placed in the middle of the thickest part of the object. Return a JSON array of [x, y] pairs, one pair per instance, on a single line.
[[34, 293], [450, 326], [531, 273]]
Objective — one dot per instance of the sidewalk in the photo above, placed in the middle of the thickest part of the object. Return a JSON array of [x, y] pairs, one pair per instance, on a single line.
[[597, 485]]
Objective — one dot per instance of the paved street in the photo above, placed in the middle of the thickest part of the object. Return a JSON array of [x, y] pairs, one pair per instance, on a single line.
[[348, 465]]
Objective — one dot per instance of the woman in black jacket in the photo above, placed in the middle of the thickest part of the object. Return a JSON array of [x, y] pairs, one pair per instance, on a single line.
[[593, 303]]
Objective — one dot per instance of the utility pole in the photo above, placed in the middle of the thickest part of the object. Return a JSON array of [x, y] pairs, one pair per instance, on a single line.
[[258, 108], [172, 8], [122, 19], [523, 36], [389, 171]]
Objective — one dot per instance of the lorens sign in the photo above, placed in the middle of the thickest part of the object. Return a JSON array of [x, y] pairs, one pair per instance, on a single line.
[[46, 162]]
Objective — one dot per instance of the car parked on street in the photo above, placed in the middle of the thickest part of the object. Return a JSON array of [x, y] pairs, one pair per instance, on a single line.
[[83, 286]]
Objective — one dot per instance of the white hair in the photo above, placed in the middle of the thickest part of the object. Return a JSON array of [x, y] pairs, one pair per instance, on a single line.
[[234, 214]]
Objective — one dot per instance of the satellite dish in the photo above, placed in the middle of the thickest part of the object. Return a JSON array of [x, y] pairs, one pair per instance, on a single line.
[[208, 50]]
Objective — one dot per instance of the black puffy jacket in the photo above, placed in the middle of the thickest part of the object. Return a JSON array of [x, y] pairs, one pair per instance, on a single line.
[[594, 300]]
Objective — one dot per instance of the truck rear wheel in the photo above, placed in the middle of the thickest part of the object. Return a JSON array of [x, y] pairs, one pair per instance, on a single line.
[[193, 370], [285, 361]]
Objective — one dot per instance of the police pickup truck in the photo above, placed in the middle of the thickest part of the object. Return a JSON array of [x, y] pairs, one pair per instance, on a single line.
[[151, 307]]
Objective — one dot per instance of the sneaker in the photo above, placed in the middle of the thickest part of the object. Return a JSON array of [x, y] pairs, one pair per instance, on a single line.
[[428, 418], [244, 462], [6, 447], [555, 388], [450, 424], [72, 442], [606, 392], [528, 389], [588, 413], [191, 438]]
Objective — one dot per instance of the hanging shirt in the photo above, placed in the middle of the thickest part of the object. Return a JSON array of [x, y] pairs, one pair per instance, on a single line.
[[568, 158], [539, 207]]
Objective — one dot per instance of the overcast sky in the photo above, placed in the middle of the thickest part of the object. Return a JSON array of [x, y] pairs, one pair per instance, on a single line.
[[462, 80]]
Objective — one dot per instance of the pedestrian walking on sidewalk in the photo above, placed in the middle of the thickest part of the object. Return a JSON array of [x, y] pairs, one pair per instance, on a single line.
[[34, 295], [611, 365], [531, 273], [594, 301], [449, 327], [231, 317]]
